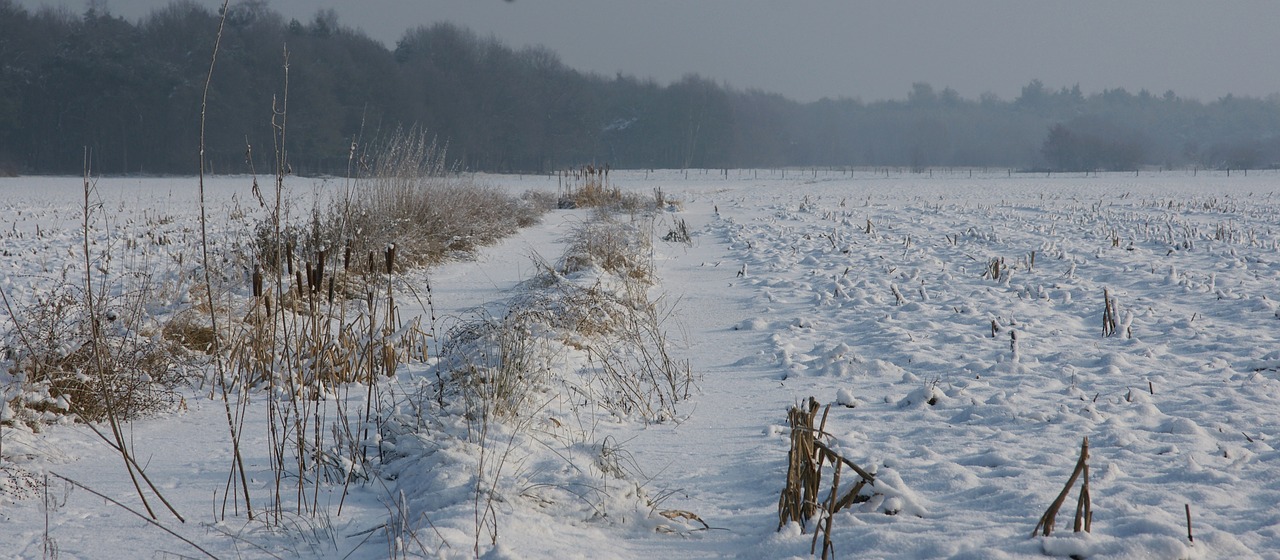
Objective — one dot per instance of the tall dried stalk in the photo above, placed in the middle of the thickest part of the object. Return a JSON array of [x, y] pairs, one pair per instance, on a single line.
[[96, 347], [1108, 313], [219, 364]]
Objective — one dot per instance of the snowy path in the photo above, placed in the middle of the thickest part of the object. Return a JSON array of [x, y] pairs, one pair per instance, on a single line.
[[717, 462]]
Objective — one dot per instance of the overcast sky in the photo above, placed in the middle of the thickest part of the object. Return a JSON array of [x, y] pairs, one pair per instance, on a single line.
[[809, 49]]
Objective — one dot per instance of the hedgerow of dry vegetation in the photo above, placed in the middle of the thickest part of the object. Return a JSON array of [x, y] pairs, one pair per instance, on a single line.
[[408, 196], [594, 300]]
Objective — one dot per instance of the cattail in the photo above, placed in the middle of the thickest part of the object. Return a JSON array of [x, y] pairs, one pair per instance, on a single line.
[[257, 281], [346, 257], [288, 256], [391, 256], [320, 266]]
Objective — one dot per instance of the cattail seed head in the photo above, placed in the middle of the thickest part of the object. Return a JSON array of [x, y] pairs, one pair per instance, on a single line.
[[257, 281]]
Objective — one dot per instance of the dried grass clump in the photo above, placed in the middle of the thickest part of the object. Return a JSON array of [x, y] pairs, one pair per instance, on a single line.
[[190, 330], [408, 196], [66, 367], [541, 202], [589, 187], [623, 249], [498, 363]]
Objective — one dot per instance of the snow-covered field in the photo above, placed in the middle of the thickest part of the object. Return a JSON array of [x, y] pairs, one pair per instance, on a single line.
[[955, 321]]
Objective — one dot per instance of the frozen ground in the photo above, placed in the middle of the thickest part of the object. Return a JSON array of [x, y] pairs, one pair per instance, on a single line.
[[973, 375]]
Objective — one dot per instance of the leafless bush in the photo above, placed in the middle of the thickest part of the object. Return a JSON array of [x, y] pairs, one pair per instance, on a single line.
[[498, 363], [67, 367]]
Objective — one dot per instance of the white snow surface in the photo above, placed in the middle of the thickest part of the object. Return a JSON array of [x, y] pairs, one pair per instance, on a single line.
[[968, 396]]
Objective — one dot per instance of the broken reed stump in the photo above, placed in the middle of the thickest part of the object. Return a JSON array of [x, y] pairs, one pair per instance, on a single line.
[[799, 496], [1084, 505], [1190, 538], [800, 500], [1108, 313]]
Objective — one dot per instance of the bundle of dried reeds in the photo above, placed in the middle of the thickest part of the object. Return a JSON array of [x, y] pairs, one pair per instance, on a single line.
[[799, 501]]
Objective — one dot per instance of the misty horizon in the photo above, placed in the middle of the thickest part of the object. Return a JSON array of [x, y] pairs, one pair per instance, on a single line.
[[833, 49], [125, 90]]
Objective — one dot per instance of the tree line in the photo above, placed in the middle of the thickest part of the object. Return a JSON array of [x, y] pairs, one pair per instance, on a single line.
[[129, 94]]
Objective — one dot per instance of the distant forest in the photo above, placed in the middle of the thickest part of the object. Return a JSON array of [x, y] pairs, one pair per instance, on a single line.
[[130, 93]]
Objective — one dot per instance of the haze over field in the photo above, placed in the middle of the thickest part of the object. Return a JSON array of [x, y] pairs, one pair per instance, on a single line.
[[810, 49], [127, 89]]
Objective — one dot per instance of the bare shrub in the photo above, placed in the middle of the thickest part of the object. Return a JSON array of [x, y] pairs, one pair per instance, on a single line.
[[498, 363], [65, 367]]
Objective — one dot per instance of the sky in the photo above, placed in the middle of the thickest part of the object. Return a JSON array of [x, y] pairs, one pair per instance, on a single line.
[[870, 50]]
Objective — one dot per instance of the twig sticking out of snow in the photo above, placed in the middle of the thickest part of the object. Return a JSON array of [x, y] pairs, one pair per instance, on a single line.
[[1084, 506], [1108, 313], [1190, 537], [134, 512]]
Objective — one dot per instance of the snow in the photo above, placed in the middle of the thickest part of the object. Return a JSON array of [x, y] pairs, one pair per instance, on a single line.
[[963, 371]]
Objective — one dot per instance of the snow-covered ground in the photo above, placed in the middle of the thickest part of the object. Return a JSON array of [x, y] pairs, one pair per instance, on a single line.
[[954, 320]]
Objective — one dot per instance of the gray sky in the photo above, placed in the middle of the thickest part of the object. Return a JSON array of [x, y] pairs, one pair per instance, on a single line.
[[809, 49]]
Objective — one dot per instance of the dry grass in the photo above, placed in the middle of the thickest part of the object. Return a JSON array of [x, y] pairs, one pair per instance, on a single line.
[[679, 233], [589, 187], [407, 196], [499, 362], [623, 249], [191, 330]]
